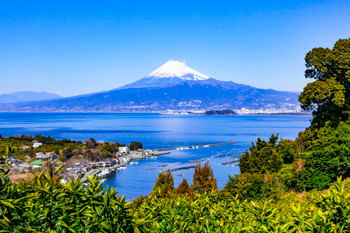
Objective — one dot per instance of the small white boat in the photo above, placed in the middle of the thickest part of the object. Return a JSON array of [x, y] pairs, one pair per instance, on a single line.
[[103, 172]]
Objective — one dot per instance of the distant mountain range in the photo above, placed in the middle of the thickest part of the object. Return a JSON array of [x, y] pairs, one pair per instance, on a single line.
[[25, 96], [172, 87]]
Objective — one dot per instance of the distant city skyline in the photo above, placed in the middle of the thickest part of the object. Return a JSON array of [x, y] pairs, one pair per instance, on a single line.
[[79, 47]]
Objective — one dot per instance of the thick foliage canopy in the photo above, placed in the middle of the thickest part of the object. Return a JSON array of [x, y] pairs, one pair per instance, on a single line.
[[262, 158], [203, 179], [329, 95]]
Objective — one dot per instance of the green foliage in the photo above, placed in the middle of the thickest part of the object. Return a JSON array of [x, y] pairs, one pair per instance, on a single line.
[[164, 185], [216, 212], [262, 158], [48, 206], [329, 95], [135, 145], [10, 150], [203, 179], [289, 150], [254, 186], [328, 157]]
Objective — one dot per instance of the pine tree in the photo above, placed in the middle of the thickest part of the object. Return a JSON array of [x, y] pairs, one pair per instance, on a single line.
[[203, 179], [164, 185], [184, 188]]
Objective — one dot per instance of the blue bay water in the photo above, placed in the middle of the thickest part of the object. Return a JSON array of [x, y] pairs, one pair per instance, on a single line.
[[159, 131]]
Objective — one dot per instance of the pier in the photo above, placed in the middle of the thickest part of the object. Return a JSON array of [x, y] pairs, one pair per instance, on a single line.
[[195, 146]]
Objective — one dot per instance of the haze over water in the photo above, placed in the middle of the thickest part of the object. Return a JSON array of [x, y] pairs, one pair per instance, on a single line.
[[159, 131]]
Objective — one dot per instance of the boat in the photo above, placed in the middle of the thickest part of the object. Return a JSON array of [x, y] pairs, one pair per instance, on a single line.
[[103, 172]]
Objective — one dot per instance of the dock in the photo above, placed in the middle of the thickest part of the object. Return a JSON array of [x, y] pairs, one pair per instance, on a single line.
[[195, 146]]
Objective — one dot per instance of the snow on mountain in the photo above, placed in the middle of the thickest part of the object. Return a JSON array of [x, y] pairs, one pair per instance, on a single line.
[[173, 86], [176, 69], [169, 73]]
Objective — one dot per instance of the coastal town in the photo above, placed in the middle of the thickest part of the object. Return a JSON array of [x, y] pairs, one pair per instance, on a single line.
[[26, 156], [35, 156]]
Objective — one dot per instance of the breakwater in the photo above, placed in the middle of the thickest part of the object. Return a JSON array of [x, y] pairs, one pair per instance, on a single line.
[[195, 146], [230, 162]]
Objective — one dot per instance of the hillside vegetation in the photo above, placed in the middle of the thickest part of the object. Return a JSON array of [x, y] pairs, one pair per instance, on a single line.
[[284, 185]]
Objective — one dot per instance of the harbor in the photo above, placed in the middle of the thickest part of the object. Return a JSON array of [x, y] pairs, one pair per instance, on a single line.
[[124, 158]]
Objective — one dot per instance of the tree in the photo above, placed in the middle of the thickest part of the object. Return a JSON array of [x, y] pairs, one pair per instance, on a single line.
[[164, 185], [288, 149], [184, 188], [203, 179], [253, 186], [91, 143], [262, 158], [135, 145], [328, 158], [329, 95]]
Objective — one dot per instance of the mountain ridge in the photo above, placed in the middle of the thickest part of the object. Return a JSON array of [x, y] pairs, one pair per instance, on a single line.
[[182, 91], [26, 96]]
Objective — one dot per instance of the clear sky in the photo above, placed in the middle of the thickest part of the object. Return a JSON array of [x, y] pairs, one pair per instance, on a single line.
[[78, 47]]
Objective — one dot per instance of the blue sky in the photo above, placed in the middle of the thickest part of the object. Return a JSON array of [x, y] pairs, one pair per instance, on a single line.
[[88, 46]]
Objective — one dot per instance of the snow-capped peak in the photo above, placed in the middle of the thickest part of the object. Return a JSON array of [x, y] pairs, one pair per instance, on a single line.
[[177, 69]]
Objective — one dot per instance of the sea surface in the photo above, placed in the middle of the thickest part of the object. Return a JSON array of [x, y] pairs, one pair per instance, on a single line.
[[159, 131]]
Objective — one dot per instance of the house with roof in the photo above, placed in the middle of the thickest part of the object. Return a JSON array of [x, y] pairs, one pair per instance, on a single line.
[[36, 164], [37, 144], [53, 156], [123, 149], [41, 156]]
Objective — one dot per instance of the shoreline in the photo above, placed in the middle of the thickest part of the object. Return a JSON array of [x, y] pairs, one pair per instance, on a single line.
[[182, 112], [105, 170]]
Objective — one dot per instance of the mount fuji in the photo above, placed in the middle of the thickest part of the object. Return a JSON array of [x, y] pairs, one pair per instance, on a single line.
[[172, 87], [172, 72]]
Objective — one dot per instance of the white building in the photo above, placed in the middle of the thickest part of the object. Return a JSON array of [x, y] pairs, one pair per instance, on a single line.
[[123, 149], [37, 144]]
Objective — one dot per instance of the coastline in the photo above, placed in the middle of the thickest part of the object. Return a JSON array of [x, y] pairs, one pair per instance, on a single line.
[[105, 170]]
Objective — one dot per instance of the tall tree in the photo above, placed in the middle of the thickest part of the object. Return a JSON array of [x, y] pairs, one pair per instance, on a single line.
[[203, 179], [184, 188], [164, 185], [329, 95]]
